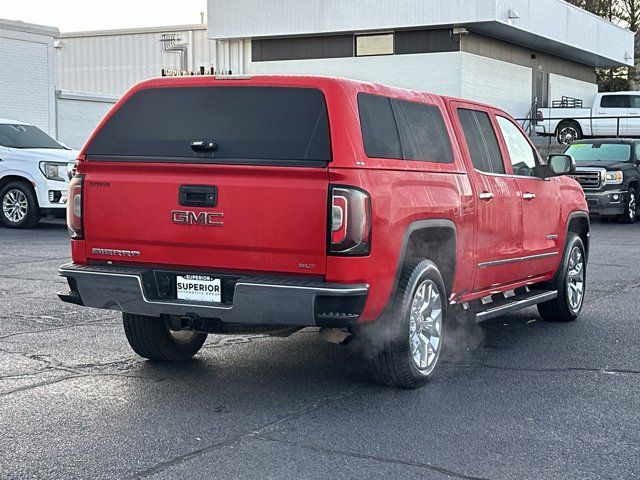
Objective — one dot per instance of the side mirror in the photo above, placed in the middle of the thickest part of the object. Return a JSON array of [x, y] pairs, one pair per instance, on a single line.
[[558, 165]]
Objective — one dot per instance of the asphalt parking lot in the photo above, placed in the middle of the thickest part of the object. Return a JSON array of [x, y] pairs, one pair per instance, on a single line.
[[517, 398]]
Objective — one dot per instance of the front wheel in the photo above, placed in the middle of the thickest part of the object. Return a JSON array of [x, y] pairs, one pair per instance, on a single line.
[[19, 206], [152, 338], [404, 347], [631, 206], [570, 282]]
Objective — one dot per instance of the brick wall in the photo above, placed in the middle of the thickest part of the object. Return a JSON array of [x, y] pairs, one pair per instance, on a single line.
[[27, 91]]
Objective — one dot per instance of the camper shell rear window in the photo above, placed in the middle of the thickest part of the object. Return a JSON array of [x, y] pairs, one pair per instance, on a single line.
[[237, 125]]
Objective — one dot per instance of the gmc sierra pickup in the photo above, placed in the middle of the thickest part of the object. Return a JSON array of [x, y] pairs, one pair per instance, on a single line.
[[273, 203], [609, 172]]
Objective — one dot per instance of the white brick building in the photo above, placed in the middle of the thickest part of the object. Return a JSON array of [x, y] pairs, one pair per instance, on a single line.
[[27, 90]]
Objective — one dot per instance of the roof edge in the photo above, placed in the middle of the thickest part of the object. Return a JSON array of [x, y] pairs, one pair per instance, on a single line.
[[20, 26], [132, 31]]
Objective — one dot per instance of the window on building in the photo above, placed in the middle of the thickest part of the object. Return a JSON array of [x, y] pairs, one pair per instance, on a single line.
[[615, 101], [426, 41], [273, 49], [379, 129], [481, 140], [523, 157], [423, 133], [367, 45]]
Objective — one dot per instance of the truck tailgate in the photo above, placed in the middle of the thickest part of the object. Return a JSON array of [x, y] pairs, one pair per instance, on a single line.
[[269, 219], [227, 176]]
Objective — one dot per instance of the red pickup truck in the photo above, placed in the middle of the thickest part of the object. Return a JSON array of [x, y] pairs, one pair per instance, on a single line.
[[273, 203]]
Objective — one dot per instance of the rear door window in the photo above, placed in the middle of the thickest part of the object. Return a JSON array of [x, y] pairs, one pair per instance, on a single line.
[[246, 125], [423, 133], [399, 129], [481, 140]]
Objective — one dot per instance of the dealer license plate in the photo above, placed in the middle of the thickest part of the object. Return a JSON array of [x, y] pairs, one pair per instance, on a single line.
[[199, 288]]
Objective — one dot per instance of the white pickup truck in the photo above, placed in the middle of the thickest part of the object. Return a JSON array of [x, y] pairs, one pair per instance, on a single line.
[[34, 174], [612, 115]]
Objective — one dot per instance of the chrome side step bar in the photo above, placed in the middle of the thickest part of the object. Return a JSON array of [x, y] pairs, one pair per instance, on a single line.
[[518, 303]]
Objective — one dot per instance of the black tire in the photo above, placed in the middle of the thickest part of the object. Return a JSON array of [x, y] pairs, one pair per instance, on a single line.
[[32, 214], [562, 308], [151, 338], [631, 206], [388, 340], [568, 132]]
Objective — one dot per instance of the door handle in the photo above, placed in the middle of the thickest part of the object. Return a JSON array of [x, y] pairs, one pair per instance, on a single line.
[[486, 196], [529, 196]]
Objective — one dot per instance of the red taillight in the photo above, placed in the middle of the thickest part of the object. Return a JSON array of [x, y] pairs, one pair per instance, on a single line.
[[74, 207], [350, 221]]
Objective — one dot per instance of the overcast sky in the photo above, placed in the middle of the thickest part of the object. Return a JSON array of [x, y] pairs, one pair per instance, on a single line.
[[78, 15]]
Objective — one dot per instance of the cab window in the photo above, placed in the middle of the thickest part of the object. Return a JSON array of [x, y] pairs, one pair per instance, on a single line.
[[522, 154], [615, 101]]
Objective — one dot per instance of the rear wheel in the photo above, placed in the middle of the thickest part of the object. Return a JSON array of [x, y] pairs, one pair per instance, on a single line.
[[568, 132], [152, 338], [570, 282], [404, 347], [19, 206], [631, 206]]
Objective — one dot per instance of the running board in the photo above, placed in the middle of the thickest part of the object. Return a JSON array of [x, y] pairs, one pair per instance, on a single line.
[[514, 303]]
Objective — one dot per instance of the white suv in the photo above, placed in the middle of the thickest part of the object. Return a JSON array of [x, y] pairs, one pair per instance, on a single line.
[[34, 174]]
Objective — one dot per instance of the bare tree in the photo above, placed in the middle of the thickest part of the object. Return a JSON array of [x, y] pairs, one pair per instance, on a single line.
[[628, 15]]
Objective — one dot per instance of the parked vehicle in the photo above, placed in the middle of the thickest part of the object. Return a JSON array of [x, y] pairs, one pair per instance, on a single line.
[[275, 203], [609, 172], [611, 115], [34, 174]]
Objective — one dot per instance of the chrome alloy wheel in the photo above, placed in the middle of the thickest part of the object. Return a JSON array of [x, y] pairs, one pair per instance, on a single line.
[[15, 205], [425, 326], [575, 279], [568, 135]]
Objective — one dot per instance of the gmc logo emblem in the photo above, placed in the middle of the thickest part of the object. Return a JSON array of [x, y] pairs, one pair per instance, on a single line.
[[206, 219]]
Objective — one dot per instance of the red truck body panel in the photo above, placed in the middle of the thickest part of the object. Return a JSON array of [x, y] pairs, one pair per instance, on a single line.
[[276, 218]]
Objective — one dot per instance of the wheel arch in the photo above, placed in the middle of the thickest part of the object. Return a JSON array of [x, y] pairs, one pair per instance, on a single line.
[[567, 121], [18, 177], [433, 239], [579, 223]]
